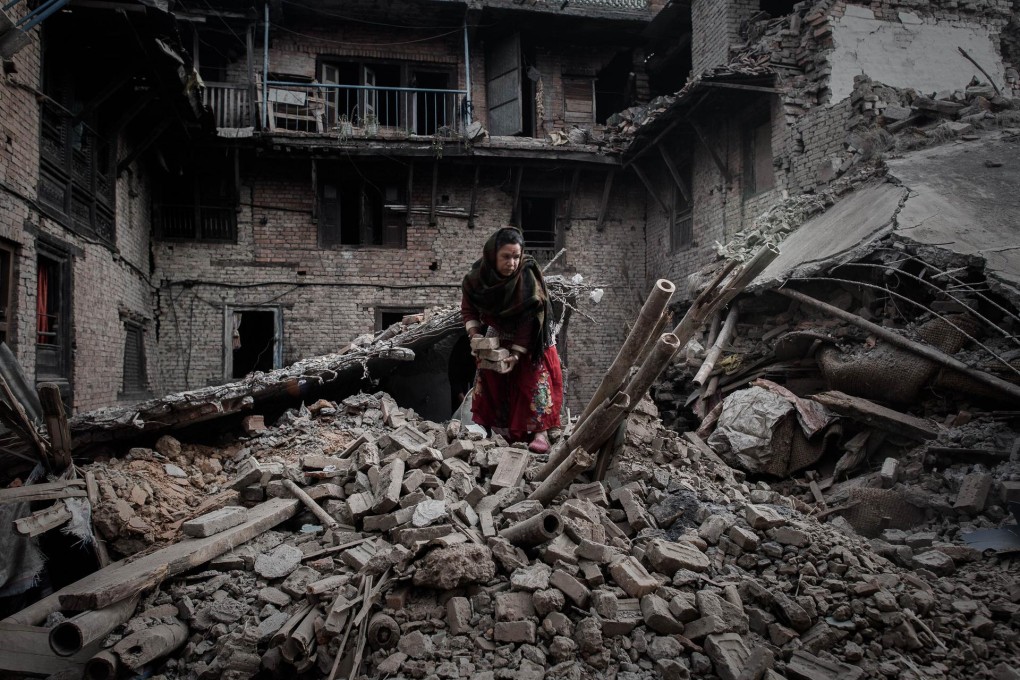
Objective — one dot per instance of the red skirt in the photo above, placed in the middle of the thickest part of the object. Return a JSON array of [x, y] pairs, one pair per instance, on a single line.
[[527, 399]]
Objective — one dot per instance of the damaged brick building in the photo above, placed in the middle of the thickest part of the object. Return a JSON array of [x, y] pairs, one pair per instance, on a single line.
[[206, 189]]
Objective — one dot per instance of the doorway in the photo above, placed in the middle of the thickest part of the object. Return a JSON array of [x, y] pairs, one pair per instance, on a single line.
[[255, 341], [53, 322]]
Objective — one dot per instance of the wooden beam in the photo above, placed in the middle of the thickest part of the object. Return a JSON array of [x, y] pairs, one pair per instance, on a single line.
[[474, 198], [569, 212], [515, 210], [648, 185], [655, 142], [875, 415], [680, 184], [141, 148], [125, 579], [435, 191], [315, 190], [69, 488], [410, 192], [607, 189], [711, 150], [741, 86]]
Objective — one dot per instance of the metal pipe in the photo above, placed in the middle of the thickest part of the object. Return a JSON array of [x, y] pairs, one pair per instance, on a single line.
[[467, 74], [545, 526], [265, 71]]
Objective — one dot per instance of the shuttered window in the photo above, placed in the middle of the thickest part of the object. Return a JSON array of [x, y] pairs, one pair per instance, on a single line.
[[579, 100], [136, 381]]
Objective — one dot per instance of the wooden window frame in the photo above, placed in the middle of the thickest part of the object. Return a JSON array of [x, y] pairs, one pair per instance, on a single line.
[[681, 237], [143, 389], [7, 323], [389, 234], [201, 211]]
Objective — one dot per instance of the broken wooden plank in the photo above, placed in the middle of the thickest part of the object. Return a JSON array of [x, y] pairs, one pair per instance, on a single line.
[[43, 520], [870, 413], [124, 579], [47, 491], [56, 425]]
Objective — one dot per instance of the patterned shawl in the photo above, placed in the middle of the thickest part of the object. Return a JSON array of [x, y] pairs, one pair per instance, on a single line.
[[513, 299]]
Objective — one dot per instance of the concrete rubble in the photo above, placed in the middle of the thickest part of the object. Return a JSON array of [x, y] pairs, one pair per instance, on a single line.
[[675, 566]]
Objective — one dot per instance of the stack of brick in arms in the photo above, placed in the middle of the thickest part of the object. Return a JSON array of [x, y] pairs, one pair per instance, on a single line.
[[403, 548], [490, 355]]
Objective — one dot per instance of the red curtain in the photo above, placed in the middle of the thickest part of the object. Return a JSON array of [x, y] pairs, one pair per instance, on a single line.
[[41, 299]]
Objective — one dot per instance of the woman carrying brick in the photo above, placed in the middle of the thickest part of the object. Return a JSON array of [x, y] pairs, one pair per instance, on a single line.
[[508, 316]]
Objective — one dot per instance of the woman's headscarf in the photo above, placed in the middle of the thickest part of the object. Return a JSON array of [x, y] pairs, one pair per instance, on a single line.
[[513, 299]]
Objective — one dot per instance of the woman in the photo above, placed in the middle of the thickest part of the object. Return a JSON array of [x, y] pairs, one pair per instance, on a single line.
[[505, 296]]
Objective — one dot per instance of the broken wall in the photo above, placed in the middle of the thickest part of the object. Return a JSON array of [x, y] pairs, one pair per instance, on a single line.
[[326, 296], [109, 281]]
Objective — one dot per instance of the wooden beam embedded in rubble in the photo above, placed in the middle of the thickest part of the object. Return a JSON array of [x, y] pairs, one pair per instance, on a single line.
[[56, 425]]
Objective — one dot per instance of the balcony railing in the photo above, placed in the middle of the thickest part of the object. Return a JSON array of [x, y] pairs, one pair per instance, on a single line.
[[230, 103], [362, 110], [612, 4]]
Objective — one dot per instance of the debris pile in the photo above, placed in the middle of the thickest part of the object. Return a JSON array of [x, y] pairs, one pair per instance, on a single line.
[[415, 552]]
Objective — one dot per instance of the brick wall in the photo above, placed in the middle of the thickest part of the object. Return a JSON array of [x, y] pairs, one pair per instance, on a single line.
[[336, 297], [715, 28], [106, 281]]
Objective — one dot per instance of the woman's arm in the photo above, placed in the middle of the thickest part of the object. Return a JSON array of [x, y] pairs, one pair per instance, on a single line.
[[472, 321]]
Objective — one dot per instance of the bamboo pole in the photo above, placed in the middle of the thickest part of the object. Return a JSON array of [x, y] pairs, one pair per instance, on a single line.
[[649, 316], [717, 348], [898, 340]]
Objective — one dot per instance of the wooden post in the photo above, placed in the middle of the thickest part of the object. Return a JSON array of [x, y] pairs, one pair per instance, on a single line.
[[409, 192], [136, 650], [435, 197], [589, 434], [474, 198], [310, 503], [103, 666], [537, 529]]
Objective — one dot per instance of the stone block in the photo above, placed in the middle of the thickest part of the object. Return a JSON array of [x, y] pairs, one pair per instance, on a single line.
[[762, 517], [596, 552], [514, 606], [973, 493], [683, 607], [934, 561], [713, 527], [632, 577], [510, 470], [593, 493], [804, 666], [515, 631], [655, 612], [790, 536], [531, 578], [729, 654], [667, 557], [745, 539], [1010, 492], [890, 472], [460, 448], [214, 522], [253, 424], [518, 512], [571, 587], [704, 626]]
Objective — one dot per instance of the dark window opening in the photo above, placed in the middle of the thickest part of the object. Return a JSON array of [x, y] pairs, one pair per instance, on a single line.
[[254, 342], [200, 204], [759, 174], [135, 384], [361, 208], [76, 163], [387, 316], [538, 224], [53, 322], [373, 100], [777, 8], [614, 87], [6, 294], [460, 371]]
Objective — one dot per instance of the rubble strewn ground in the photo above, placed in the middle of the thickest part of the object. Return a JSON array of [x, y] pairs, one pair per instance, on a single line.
[[676, 566]]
